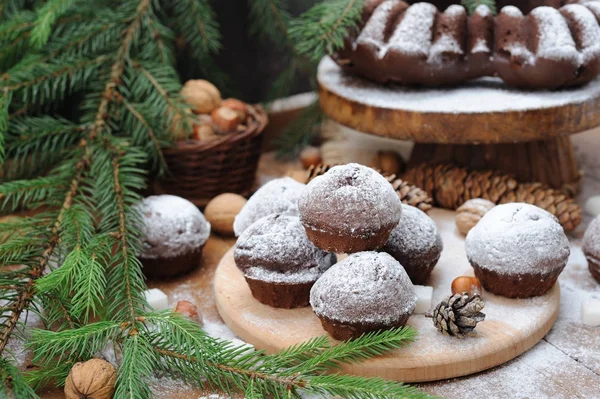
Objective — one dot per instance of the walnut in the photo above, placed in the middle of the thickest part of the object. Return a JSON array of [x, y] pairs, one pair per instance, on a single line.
[[202, 95], [469, 213], [94, 379], [222, 210]]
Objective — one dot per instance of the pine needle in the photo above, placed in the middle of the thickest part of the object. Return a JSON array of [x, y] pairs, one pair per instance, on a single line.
[[471, 5], [322, 29]]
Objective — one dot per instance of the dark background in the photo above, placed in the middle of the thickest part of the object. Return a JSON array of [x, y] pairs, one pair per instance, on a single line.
[[250, 64]]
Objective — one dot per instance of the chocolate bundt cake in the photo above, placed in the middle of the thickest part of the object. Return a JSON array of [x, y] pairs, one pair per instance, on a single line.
[[534, 44]]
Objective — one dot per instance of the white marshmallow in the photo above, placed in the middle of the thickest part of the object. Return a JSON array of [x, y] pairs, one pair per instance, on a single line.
[[157, 299], [590, 312], [424, 296]]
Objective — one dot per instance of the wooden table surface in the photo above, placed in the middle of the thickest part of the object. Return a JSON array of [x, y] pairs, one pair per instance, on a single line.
[[565, 364]]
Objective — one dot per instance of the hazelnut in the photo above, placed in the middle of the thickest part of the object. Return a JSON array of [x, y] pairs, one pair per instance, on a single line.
[[238, 106], [202, 95], [222, 210], [469, 213], [189, 310], [204, 133], [94, 379], [225, 120], [389, 162], [470, 285], [310, 156]]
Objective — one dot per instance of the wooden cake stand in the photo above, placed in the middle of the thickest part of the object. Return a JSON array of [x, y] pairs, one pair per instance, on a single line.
[[511, 327], [482, 125]]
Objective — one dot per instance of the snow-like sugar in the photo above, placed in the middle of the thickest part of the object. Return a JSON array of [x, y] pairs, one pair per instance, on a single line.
[[277, 196], [171, 226], [517, 239]]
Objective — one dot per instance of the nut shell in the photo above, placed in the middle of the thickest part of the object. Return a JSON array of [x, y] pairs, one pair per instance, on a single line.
[[238, 106], [188, 309], [202, 95], [468, 284], [225, 120], [469, 213], [222, 210], [94, 379]]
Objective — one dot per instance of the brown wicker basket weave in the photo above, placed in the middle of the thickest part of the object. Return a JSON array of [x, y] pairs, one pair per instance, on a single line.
[[200, 171]]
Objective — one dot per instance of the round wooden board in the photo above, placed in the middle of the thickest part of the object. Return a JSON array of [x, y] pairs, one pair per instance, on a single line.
[[484, 111], [512, 326]]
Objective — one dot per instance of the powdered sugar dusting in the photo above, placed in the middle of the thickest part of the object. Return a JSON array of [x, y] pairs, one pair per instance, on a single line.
[[591, 240], [277, 196], [478, 96], [413, 34], [374, 29], [416, 232], [483, 10], [172, 226], [480, 47], [276, 249], [350, 199], [511, 11], [366, 287], [455, 10], [555, 40], [445, 44], [587, 29], [518, 239]]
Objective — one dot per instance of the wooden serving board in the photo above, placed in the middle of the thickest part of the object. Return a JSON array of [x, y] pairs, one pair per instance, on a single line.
[[512, 326]]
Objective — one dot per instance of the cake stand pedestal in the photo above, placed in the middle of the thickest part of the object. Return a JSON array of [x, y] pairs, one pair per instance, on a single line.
[[482, 125]]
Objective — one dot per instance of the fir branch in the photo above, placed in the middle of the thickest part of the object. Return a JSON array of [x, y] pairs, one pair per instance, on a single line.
[[195, 21], [30, 193], [25, 295], [12, 385], [39, 82], [135, 368], [4, 103], [53, 373], [269, 20], [69, 345], [322, 29], [471, 5], [47, 16]]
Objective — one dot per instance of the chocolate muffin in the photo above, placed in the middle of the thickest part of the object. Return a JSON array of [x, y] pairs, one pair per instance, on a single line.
[[591, 247], [350, 208], [278, 261], [517, 250], [415, 243], [367, 291], [277, 196], [174, 233]]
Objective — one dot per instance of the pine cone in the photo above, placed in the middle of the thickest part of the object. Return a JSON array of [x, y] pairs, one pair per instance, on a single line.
[[458, 315], [409, 194], [451, 186]]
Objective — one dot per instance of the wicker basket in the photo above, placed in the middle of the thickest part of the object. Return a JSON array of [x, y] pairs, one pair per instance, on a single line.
[[201, 171]]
